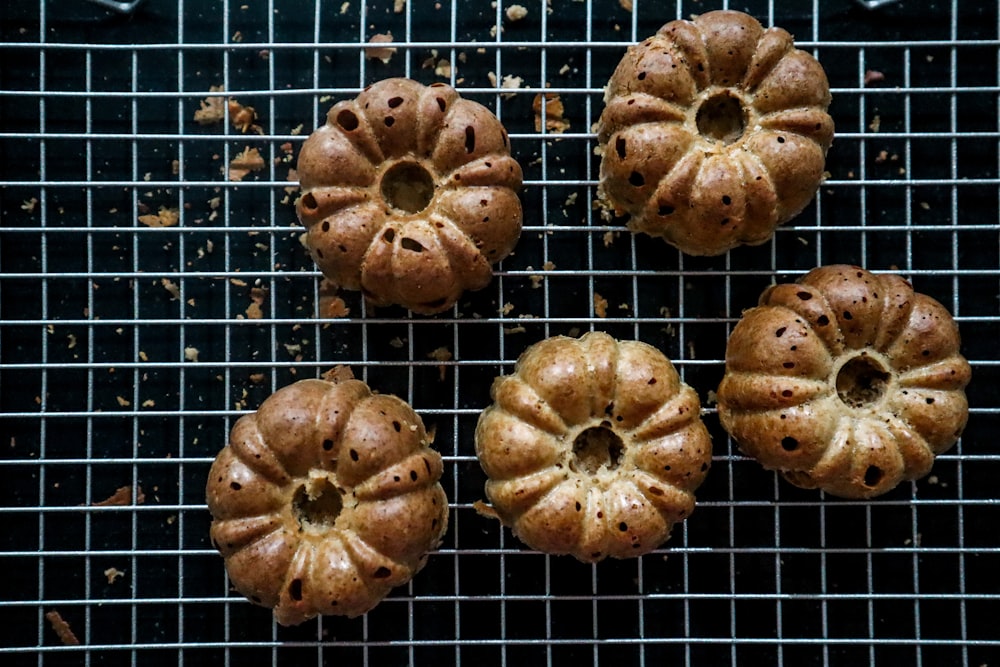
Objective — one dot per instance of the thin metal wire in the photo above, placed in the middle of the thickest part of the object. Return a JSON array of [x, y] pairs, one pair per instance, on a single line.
[[743, 583]]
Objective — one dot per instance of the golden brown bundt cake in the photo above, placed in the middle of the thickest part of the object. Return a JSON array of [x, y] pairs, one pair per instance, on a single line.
[[593, 447], [714, 132], [325, 499], [846, 381], [409, 194]]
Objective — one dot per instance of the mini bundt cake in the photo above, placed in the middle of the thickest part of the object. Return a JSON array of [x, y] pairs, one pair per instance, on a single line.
[[325, 499], [846, 381], [593, 447], [714, 132], [409, 193]]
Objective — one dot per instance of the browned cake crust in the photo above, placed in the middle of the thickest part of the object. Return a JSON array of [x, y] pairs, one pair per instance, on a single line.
[[715, 132], [593, 447], [325, 499], [409, 194], [845, 381]]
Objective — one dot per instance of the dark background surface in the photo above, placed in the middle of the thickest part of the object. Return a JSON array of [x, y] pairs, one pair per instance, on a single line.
[[96, 391]]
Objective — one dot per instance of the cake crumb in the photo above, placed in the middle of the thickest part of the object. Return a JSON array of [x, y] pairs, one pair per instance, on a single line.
[[398, 6], [509, 331], [113, 574], [122, 401], [441, 354], [626, 5], [554, 121], [149, 403], [876, 123], [339, 373], [516, 12], [212, 108], [443, 68], [396, 342], [510, 82], [29, 205], [171, 287], [61, 628], [881, 157], [164, 217], [344, 7], [383, 53], [873, 76], [484, 510], [243, 118], [121, 497], [246, 161], [330, 305], [609, 238], [506, 308], [600, 305], [191, 353]]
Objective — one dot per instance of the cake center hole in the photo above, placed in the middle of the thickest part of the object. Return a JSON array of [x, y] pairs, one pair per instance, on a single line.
[[861, 381], [408, 187], [596, 447], [721, 118], [317, 503]]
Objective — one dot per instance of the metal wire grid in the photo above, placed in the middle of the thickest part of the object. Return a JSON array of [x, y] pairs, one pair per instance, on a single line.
[[100, 318]]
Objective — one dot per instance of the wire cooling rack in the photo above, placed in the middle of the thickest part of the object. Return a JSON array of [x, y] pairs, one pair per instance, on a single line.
[[129, 349]]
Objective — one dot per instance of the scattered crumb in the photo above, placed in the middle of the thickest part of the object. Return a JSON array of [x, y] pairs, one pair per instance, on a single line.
[[600, 305], [175, 167], [339, 373], [344, 7], [506, 309], [121, 497], [516, 12], [873, 76], [330, 304], [123, 402], [164, 217], [243, 118], [297, 130], [245, 162], [239, 282], [554, 121], [171, 287], [514, 330], [237, 36], [441, 354], [398, 6], [690, 347], [882, 157], [72, 341], [113, 574], [293, 348], [609, 238], [536, 280], [510, 83], [875, 124], [924, 205], [484, 510], [191, 353], [396, 342], [383, 53], [29, 205], [61, 628], [443, 69], [212, 108], [257, 297], [548, 266], [143, 356], [149, 403], [257, 378], [626, 4]]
